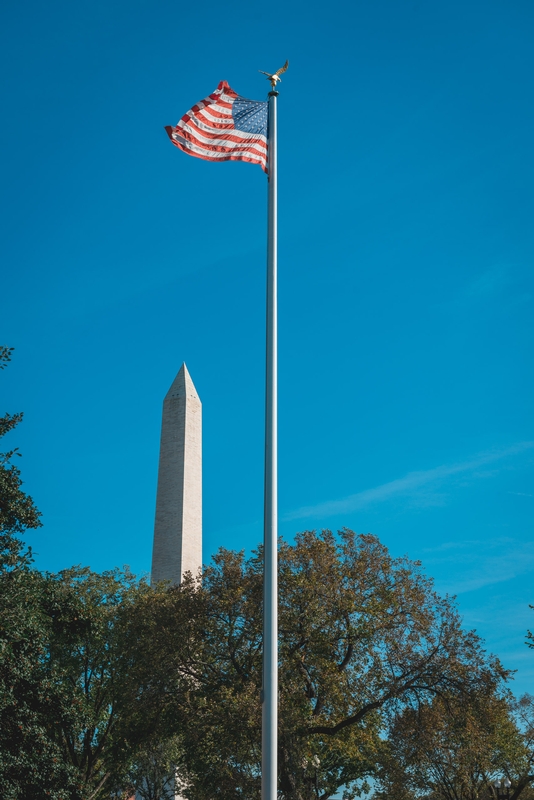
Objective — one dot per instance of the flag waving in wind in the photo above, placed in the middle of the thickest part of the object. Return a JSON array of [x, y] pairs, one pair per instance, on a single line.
[[224, 127]]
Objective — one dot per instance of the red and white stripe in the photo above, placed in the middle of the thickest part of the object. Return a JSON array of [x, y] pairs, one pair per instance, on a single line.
[[207, 131]]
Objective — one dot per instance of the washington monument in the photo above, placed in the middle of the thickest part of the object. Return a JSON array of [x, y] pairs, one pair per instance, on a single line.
[[178, 526]]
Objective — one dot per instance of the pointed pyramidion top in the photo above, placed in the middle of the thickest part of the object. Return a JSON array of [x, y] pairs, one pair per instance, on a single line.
[[182, 385]]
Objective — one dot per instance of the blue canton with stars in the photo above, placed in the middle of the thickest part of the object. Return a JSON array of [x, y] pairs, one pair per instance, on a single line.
[[250, 116]]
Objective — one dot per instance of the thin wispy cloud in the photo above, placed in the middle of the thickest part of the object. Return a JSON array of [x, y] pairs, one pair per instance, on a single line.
[[408, 485], [499, 283], [476, 564], [468, 544]]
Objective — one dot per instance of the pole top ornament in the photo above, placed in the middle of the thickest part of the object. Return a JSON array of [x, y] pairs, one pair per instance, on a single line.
[[275, 77]]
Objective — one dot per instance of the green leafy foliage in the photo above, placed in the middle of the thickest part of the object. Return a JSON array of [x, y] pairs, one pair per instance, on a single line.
[[454, 749], [69, 701], [31, 765], [75, 717], [152, 773], [84, 658], [27, 755], [521, 770], [362, 636], [17, 509]]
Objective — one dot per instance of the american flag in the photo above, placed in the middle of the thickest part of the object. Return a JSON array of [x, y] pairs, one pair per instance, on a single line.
[[224, 127]]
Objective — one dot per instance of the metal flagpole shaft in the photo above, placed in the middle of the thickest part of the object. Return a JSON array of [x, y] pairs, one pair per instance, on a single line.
[[269, 745]]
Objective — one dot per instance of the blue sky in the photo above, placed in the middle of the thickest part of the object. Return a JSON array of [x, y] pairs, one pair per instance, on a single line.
[[406, 283]]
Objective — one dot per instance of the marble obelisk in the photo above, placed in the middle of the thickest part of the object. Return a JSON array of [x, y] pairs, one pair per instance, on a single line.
[[178, 527]]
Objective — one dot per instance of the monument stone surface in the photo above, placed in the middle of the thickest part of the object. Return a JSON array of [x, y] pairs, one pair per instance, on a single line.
[[178, 526]]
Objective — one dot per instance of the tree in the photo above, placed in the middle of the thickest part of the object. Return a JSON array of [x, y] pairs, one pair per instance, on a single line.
[[17, 509], [169, 622], [454, 749], [79, 724], [30, 763], [84, 659], [70, 705], [112, 722], [362, 635], [152, 774], [522, 770], [105, 681]]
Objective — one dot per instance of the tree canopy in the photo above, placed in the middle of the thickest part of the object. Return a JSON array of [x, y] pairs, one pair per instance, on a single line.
[[63, 733], [362, 636], [17, 509], [26, 753], [455, 749], [109, 685]]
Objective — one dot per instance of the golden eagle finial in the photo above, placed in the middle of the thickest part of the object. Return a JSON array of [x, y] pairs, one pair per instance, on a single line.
[[275, 77]]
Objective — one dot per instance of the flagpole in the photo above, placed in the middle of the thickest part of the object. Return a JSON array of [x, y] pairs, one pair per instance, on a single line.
[[269, 748]]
